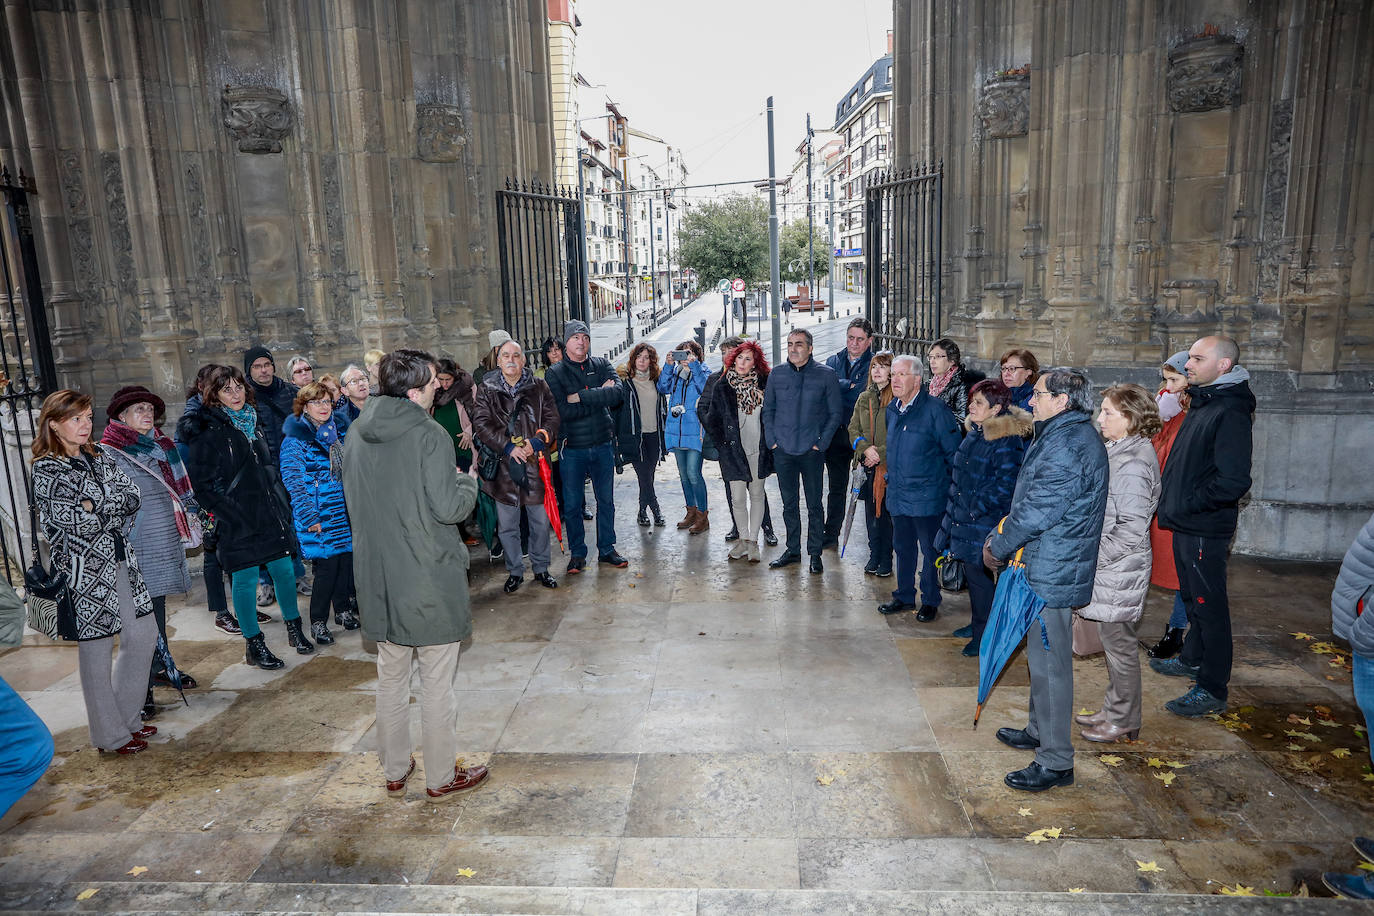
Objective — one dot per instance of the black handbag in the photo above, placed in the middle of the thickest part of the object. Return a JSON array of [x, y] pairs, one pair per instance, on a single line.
[[951, 573], [488, 459], [48, 601]]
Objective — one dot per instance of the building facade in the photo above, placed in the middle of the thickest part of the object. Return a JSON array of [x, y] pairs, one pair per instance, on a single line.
[[1122, 179], [564, 82], [863, 123]]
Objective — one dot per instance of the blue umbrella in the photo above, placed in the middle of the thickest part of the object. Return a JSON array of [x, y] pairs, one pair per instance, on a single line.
[[1015, 607]]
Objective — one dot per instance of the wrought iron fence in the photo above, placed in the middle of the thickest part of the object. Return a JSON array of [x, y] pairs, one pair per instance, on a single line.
[[540, 234], [27, 370], [903, 253]]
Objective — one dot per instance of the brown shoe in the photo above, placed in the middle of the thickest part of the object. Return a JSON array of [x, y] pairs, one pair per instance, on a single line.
[[398, 786], [1106, 733], [1096, 718], [464, 779], [703, 522], [689, 519]]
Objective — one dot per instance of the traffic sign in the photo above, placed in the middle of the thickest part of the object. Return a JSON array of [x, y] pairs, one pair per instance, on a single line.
[[723, 286], [737, 285]]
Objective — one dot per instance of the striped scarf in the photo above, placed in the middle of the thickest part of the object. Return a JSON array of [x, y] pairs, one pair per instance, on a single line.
[[164, 451]]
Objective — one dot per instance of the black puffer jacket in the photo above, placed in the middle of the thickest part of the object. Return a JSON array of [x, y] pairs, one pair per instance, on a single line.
[[237, 481], [955, 394], [273, 403], [722, 422], [1208, 471], [588, 423], [629, 422]]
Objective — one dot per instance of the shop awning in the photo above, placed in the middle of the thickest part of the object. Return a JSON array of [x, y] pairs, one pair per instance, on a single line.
[[610, 287]]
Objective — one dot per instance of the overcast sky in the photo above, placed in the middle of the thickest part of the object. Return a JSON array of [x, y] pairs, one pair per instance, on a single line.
[[699, 73]]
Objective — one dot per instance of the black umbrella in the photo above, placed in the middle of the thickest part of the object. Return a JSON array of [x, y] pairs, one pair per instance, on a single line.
[[164, 657]]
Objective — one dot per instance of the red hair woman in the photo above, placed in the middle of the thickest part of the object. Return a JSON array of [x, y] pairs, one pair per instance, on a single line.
[[735, 422]]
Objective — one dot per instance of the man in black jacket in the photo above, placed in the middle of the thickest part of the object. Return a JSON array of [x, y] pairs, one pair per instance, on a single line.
[[1205, 478], [273, 398], [585, 390]]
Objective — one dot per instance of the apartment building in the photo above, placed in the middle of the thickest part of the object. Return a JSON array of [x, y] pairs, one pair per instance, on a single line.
[[863, 124]]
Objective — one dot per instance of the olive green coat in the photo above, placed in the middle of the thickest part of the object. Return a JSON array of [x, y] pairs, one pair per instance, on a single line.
[[872, 429], [405, 499]]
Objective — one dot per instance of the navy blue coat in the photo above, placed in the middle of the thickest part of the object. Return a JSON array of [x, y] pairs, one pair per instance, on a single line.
[[921, 443], [317, 497], [985, 471], [853, 378], [1057, 510], [802, 408]]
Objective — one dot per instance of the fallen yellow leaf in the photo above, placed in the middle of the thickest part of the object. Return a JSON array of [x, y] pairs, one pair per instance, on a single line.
[[1300, 636], [1155, 762], [466, 872], [1294, 747], [1053, 832], [137, 870], [1240, 890], [1368, 777], [825, 780], [1166, 778], [1340, 753], [1110, 760], [1085, 711], [1037, 838], [1367, 866], [1024, 812], [1076, 890], [1176, 765], [1147, 867], [1329, 723], [87, 894]]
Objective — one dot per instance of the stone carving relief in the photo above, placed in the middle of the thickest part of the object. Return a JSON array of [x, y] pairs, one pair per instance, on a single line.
[[258, 117], [439, 130], [117, 215], [1185, 297], [1004, 105], [200, 223], [1204, 74], [340, 296], [1272, 242], [79, 234]]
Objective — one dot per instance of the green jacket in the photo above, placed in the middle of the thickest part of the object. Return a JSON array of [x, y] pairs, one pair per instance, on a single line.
[[873, 429], [405, 499]]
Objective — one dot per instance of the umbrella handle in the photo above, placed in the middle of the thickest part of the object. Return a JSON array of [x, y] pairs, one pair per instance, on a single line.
[[978, 712]]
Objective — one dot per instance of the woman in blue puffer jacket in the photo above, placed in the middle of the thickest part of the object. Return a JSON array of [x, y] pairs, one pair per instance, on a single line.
[[683, 381], [311, 465]]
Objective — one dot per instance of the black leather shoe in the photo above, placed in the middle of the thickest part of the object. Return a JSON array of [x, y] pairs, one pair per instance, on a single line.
[[263, 618], [295, 637], [1169, 644], [659, 521], [927, 613], [1017, 738], [732, 536], [896, 607], [319, 631], [512, 583], [587, 515], [1036, 778], [546, 580], [769, 537], [786, 558], [348, 620], [643, 517], [816, 565], [613, 559], [257, 654], [149, 708], [970, 649], [226, 623], [576, 565]]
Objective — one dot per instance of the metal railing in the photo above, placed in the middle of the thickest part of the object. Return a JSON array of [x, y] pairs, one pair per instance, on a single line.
[[540, 234], [903, 256]]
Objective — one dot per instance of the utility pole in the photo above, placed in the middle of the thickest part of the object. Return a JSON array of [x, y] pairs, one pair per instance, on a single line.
[[582, 299], [810, 219], [831, 222], [773, 269], [668, 241], [625, 218], [653, 270]]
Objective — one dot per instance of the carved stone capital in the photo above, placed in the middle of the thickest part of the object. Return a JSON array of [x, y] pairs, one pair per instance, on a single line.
[[1004, 106], [258, 117], [439, 133], [1204, 74]]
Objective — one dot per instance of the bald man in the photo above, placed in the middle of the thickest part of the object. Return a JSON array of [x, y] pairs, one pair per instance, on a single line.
[[1204, 480]]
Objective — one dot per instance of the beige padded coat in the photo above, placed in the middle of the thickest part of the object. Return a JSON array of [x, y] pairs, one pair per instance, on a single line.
[[1123, 554]]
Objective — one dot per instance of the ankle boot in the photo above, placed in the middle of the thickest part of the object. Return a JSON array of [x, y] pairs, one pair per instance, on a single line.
[[259, 656], [643, 517], [703, 522], [689, 519], [296, 638], [658, 516], [1169, 644]]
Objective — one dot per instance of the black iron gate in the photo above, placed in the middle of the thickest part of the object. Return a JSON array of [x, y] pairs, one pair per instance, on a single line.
[[902, 255], [26, 364], [541, 237]]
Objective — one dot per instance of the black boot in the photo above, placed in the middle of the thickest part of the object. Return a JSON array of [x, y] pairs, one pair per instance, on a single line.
[[320, 633], [643, 517], [259, 656], [296, 638], [1169, 644], [658, 516], [149, 707]]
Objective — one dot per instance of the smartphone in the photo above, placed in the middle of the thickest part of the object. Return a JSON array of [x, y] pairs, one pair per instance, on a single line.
[[679, 356]]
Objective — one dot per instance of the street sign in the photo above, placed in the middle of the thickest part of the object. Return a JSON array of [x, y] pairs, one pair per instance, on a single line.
[[737, 285], [723, 286]]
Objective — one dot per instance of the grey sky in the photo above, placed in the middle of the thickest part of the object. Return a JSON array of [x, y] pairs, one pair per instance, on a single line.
[[698, 73]]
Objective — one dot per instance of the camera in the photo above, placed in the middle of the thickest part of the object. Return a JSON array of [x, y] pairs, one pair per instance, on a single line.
[[678, 410], [679, 356]]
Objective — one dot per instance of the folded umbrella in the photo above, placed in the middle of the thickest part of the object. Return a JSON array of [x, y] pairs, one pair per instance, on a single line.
[[551, 499], [1015, 606], [856, 482], [164, 657], [486, 519]]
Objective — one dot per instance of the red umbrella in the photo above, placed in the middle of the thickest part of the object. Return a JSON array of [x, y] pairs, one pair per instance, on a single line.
[[551, 499]]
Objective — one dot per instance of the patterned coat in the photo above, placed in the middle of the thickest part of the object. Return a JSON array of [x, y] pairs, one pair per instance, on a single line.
[[83, 543]]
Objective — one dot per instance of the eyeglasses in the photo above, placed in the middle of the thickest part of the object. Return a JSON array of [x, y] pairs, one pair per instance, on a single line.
[[299, 369], [320, 402], [1013, 368], [356, 380], [1039, 393]]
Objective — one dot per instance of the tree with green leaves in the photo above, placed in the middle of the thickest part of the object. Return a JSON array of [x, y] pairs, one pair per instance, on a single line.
[[792, 252], [725, 239]]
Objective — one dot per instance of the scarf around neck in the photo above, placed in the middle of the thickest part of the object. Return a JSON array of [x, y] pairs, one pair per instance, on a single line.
[[245, 420], [939, 384], [162, 449], [746, 389]]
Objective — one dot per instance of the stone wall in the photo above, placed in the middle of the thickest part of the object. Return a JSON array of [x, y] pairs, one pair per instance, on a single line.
[[1123, 178], [315, 175]]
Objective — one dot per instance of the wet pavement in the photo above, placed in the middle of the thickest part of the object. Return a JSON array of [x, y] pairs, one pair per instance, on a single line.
[[692, 735]]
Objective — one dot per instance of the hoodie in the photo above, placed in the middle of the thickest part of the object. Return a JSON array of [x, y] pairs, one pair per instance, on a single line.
[[1208, 471]]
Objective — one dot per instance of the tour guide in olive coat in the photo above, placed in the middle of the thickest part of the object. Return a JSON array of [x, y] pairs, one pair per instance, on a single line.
[[405, 501]]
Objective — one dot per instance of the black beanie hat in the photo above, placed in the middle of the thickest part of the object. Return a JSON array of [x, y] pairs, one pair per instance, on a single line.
[[253, 354]]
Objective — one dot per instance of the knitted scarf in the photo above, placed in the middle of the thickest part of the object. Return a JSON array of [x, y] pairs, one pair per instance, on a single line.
[[747, 389], [327, 434], [164, 451], [941, 382], [245, 420]]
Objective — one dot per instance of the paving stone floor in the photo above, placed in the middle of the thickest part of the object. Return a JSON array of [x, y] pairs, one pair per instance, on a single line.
[[696, 736]]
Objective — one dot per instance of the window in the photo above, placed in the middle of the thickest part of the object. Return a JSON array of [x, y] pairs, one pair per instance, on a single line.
[[868, 85], [889, 73]]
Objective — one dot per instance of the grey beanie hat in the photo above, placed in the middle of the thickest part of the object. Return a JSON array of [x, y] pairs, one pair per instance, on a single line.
[[575, 327], [1178, 362], [497, 337]]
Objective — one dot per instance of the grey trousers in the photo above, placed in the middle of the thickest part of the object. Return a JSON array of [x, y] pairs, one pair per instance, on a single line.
[[438, 709], [1050, 716], [508, 530], [746, 505], [114, 693], [1122, 705]]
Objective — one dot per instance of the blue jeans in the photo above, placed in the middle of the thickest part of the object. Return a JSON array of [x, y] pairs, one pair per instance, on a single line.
[[1362, 675], [693, 483], [597, 462], [908, 532], [1178, 620]]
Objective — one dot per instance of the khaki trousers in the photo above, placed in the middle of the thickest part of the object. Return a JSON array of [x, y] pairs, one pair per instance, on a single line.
[[1122, 648], [438, 666]]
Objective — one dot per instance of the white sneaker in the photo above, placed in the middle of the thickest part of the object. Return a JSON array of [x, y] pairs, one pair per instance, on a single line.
[[738, 551]]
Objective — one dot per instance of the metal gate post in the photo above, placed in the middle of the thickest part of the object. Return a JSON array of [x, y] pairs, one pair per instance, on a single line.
[[36, 308]]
